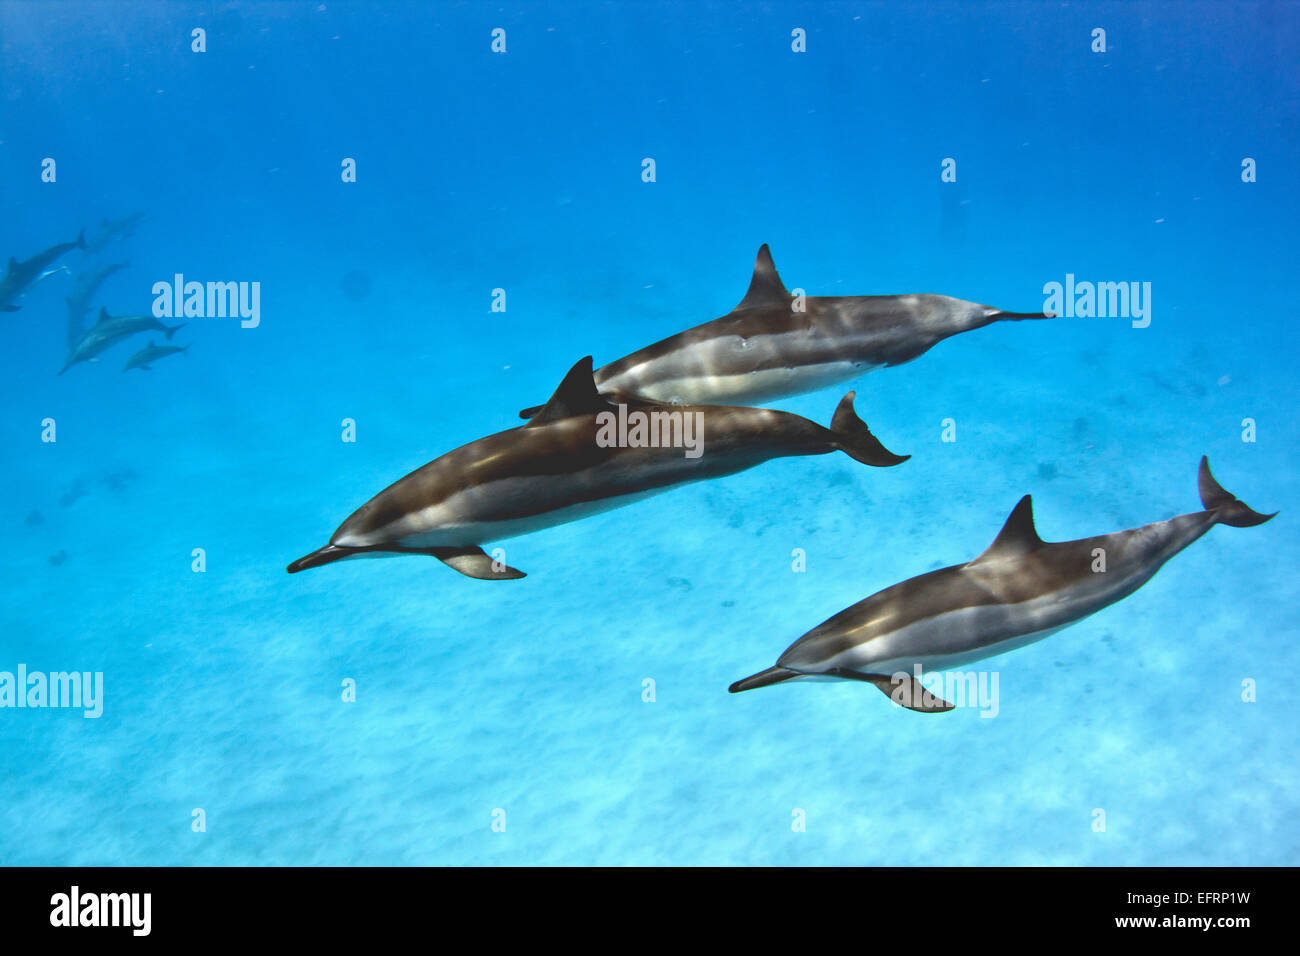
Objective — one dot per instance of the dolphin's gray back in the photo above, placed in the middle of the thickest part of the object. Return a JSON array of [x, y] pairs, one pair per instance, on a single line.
[[31, 268], [956, 615], [19, 275], [769, 351], [531, 477], [104, 335]]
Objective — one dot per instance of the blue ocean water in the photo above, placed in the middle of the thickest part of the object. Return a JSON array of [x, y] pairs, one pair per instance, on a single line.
[[522, 702]]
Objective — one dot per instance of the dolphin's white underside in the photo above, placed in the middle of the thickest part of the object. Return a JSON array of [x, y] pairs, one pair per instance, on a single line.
[[948, 655], [450, 523], [664, 380], [961, 636]]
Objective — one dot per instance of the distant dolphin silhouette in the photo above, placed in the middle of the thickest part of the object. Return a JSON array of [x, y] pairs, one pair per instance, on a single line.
[[111, 329], [83, 290], [555, 469], [151, 353], [113, 229], [765, 348], [1020, 590], [20, 276]]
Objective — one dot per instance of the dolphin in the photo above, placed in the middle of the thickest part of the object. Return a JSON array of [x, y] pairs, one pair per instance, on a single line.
[[20, 276], [1020, 590], [111, 329], [84, 289], [111, 229], [774, 345], [557, 469], [152, 352]]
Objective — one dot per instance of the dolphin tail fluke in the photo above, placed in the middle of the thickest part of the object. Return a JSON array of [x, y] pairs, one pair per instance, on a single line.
[[1229, 510], [170, 330], [773, 675], [855, 438]]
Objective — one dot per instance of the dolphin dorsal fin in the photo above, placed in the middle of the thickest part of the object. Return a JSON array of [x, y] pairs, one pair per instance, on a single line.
[[103, 315], [576, 395], [1018, 535], [12, 263], [766, 287]]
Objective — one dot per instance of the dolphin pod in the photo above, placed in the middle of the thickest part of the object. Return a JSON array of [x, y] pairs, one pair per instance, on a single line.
[[775, 344], [87, 344], [111, 329], [1020, 590], [557, 468]]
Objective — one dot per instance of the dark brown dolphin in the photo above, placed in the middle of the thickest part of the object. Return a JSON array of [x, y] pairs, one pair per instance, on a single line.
[[562, 466]]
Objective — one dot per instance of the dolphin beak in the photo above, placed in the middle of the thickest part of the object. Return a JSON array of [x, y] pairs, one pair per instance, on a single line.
[[998, 315], [773, 675], [326, 555]]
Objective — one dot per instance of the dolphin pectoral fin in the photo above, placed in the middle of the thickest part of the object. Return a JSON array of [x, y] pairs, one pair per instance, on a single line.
[[530, 412], [903, 690], [474, 563], [854, 438]]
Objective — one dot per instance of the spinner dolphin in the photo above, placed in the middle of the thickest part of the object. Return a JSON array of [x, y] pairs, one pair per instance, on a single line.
[[557, 469], [1020, 590], [108, 331], [774, 344], [21, 276]]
